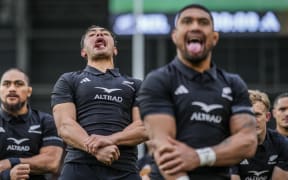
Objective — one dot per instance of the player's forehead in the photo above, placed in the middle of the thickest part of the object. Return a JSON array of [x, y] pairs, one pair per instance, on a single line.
[[259, 105], [13, 75], [195, 13], [283, 101], [97, 29]]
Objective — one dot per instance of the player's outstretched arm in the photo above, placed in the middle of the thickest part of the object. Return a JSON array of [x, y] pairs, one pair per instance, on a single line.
[[241, 144], [133, 134], [47, 161], [279, 174], [67, 126], [235, 177]]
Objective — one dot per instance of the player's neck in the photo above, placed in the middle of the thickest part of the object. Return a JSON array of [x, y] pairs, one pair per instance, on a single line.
[[283, 131], [101, 64], [261, 137]]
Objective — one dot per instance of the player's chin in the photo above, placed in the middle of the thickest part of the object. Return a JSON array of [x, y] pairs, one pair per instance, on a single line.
[[258, 131]]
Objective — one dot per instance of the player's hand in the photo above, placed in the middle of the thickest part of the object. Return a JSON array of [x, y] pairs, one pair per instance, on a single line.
[[181, 159], [20, 172], [4, 164], [108, 154], [161, 148], [95, 142]]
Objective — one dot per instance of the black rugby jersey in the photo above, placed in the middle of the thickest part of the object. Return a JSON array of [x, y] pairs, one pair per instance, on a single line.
[[104, 102], [201, 103], [23, 136], [273, 152]]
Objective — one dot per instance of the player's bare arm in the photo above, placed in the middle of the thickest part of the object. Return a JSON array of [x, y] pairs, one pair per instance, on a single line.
[[241, 144], [65, 120], [161, 128], [4, 164], [133, 134], [235, 177], [279, 174], [47, 161]]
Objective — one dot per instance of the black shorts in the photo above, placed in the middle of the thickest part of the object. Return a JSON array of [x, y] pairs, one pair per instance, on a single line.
[[75, 171]]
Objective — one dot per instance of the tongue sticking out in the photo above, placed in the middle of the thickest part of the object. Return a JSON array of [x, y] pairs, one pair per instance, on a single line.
[[194, 47], [100, 45]]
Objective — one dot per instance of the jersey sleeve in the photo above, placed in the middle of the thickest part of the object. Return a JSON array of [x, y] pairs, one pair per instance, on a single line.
[[241, 102], [283, 155], [154, 95], [137, 88], [62, 91], [234, 170], [50, 136]]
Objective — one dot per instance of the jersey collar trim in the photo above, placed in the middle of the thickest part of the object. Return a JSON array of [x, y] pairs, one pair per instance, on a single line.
[[24, 117], [115, 72], [191, 73]]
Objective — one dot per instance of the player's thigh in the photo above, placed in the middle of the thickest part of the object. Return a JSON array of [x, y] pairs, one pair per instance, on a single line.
[[74, 171]]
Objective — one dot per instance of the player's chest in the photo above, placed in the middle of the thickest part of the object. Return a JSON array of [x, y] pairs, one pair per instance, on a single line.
[[106, 89], [202, 97], [19, 138]]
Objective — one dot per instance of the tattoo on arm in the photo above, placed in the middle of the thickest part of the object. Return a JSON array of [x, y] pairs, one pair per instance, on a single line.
[[248, 124]]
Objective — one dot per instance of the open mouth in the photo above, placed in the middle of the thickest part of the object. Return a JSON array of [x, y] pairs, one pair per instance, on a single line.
[[194, 44], [100, 43], [12, 96]]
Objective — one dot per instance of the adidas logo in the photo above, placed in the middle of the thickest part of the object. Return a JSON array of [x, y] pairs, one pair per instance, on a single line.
[[2, 130], [85, 80], [244, 162], [181, 90]]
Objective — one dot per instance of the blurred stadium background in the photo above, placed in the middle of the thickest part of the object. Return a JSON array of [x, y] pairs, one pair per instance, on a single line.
[[43, 36]]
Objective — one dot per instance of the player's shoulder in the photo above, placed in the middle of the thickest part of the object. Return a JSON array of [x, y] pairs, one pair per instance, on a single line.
[[72, 74], [233, 79], [40, 112], [228, 75], [276, 139], [131, 79], [272, 133], [39, 115], [74, 77], [163, 72]]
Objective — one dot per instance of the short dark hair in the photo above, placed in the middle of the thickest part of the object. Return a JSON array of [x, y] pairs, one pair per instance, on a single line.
[[190, 6], [96, 26], [19, 70], [280, 96]]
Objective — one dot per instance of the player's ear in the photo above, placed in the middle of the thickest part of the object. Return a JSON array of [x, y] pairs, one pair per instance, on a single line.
[[115, 51], [215, 38], [268, 116], [29, 91], [173, 36], [83, 53]]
